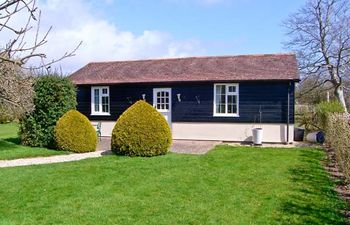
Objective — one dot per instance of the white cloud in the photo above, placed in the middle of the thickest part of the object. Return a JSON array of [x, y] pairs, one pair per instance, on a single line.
[[102, 40]]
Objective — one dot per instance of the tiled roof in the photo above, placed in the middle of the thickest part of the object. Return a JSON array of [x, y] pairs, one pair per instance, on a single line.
[[221, 68]]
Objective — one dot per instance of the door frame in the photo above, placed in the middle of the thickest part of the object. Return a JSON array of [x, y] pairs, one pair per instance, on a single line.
[[162, 111]]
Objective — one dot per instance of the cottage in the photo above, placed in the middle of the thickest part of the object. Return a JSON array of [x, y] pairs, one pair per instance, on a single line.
[[202, 98]]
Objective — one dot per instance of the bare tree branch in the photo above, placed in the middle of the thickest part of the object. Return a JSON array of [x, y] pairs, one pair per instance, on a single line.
[[319, 33], [18, 50], [16, 89]]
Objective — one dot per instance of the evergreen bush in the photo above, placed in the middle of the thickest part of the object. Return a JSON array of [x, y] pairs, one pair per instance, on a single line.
[[54, 95], [74, 132], [141, 131]]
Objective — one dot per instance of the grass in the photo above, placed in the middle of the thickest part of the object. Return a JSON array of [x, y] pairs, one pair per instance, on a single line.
[[10, 147], [229, 185]]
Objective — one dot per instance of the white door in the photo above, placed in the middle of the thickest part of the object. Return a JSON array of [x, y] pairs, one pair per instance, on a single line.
[[162, 102]]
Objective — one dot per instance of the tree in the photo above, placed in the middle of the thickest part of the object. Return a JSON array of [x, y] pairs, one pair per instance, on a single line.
[[16, 92], [54, 96], [23, 45], [319, 33]]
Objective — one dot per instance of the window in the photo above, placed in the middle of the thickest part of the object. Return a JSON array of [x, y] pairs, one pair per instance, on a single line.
[[100, 101], [226, 100], [162, 100]]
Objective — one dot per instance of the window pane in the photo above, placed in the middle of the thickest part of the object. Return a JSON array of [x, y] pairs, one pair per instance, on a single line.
[[220, 108], [220, 102], [232, 88], [104, 91], [231, 99], [220, 89], [232, 102], [220, 98], [97, 100], [105, 103]]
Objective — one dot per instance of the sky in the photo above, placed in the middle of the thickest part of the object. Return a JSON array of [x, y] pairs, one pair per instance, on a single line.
[[143, 29]]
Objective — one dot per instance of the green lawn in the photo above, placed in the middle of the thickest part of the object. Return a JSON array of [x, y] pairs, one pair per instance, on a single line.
[[10, 147], [229, 185]]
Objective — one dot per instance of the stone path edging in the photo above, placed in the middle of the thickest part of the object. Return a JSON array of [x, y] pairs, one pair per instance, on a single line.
[[51, 159]]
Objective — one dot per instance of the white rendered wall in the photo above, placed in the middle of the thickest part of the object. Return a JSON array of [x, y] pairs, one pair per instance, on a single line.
[[240, 132]]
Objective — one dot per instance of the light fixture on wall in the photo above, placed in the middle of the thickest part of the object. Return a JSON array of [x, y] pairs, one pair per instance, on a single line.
[[179, 97], [198, 99], [144, 97]]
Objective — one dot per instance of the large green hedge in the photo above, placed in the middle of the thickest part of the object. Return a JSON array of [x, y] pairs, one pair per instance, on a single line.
[[54, 95], [325, 109], [338, 137], [141, 131], [74, 132]]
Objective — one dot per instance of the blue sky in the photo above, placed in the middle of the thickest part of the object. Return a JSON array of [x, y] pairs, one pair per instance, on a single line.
[[223, 27], [142, 29]]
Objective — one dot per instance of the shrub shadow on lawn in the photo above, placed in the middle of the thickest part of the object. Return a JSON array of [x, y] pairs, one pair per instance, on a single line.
[[9, 143], [16, 140], [311, 199]]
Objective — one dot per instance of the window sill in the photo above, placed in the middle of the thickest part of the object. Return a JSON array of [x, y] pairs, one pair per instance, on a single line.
[[100, 114], [226, 115]]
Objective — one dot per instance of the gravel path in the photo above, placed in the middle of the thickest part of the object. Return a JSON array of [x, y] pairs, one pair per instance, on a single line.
[[102, 149], [50, 159]]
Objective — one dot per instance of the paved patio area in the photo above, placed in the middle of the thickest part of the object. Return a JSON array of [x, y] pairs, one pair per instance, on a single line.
[[179, 146], [193, 147]]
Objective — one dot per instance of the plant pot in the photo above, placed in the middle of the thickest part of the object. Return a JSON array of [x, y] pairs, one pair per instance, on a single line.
[[299, 134], [257, 136]]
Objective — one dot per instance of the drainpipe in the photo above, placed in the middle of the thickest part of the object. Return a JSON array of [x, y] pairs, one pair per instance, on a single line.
[[288, 111]]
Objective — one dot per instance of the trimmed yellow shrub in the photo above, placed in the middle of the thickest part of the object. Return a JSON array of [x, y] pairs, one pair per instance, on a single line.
[[74, 132], [141, 131], [338, 137]]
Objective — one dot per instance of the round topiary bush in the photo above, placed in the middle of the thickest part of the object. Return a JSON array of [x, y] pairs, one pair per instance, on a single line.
[[74, 132], [141, 131]]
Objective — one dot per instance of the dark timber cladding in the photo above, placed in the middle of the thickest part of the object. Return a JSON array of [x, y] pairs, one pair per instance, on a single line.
[[270, 96]]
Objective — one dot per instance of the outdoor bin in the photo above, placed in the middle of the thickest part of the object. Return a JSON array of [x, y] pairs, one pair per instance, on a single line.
[[257, 136], [316, 137], [299, 134]]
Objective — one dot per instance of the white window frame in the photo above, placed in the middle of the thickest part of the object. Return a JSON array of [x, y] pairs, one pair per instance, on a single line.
[[100, 113], [215, 114]]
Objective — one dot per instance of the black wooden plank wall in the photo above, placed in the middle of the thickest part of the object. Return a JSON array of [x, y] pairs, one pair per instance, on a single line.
[[270, 97]]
